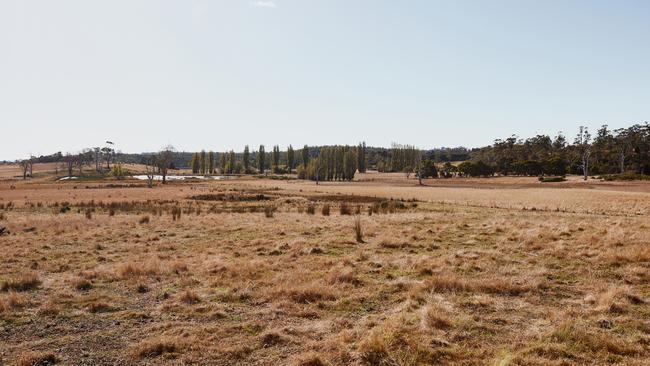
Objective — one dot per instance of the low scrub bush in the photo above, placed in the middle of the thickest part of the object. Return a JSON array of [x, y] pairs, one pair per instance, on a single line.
[[625, 177], [551, 179]]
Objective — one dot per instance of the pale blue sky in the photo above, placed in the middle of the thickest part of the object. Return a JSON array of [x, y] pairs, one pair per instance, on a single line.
[[221, 74]]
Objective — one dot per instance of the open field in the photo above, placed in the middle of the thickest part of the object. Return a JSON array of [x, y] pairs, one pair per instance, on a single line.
[[503, 271]]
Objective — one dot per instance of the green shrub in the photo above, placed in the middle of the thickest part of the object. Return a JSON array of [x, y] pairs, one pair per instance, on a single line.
[[551, 179]]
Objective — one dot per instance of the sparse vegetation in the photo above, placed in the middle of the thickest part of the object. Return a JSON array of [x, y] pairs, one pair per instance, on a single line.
[[444, 276]]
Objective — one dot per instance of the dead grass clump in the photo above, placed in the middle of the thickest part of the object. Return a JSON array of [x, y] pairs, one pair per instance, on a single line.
[[502, 287], [358, 233], [311, 209], [82, 284], [177, 267], [325, 210], [270, 339], [176, 213], [343, 276], [398, 342], [344, 209], [190, 297], [49, 309], [581, 337], [616, 300], [446, 283], [144, 219], [128, 270], [307, 294], [15, 300], [435, 316], [632, 254], [309, 359], [154, 348], [37, 359], [100, 307], [24, 282]]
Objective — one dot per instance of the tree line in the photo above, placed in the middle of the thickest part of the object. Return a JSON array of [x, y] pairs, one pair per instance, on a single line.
[[624, 150], [316, 163]]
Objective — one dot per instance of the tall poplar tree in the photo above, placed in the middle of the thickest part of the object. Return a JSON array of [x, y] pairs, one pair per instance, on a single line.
[[290, 159], [276, 158], [222, 161], [211, 162], [247, 157], [203, 162], [261, 157], [195, 163], [305, 156], [231, 162]]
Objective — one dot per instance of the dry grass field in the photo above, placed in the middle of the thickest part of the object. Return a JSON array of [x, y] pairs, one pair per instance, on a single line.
[[380, 271]]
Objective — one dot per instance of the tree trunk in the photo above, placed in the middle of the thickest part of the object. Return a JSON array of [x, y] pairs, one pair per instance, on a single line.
[[622, 163]]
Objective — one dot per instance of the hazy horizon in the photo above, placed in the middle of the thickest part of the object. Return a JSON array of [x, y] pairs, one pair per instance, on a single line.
[[224, 74]]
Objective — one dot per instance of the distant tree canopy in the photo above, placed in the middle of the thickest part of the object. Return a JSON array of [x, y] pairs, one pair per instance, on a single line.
[[610, 152]]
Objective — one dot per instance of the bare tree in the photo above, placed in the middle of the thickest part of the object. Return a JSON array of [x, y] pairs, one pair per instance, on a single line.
[[150, 170], [69, 163], [418, 166], [30, 163], [97, 155], [165, 160], [79, 162], [583, 145], [26, 167], [108, 152]]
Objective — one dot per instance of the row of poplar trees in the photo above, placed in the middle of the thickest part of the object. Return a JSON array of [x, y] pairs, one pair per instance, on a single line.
[[334, 163], [329, 163]]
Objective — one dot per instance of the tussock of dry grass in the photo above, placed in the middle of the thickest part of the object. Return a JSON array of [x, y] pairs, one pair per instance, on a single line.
[[24, 282], [131, 269], [309, 359], [190, 297], [581, 337], [155, 347], [435, 316], [307, 293], [343, 275], [37, 359]]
